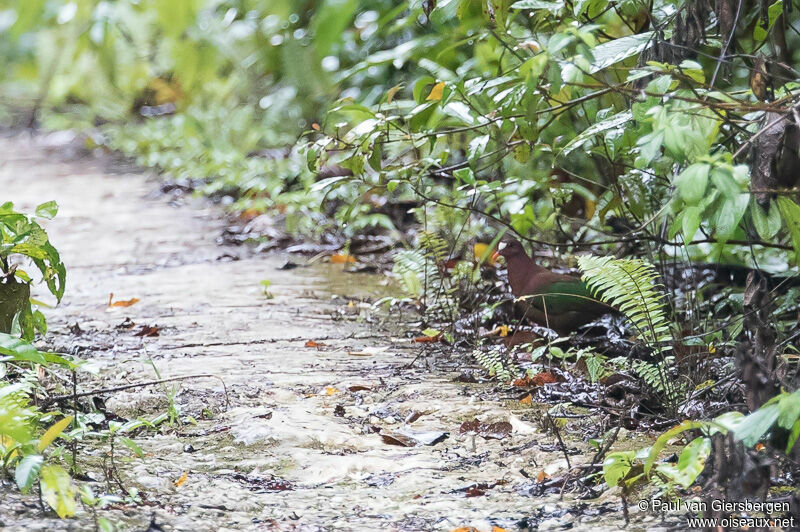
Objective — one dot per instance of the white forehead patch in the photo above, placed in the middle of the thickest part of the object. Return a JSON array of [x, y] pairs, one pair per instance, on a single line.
[[501, 246]]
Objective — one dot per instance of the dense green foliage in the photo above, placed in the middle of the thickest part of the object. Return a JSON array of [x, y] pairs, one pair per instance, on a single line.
[[666, 129]]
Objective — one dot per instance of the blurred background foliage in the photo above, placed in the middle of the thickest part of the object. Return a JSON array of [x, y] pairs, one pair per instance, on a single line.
[[573, 122], [663, 129]]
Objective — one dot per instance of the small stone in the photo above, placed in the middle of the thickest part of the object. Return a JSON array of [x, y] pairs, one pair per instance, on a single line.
[[188, 448]]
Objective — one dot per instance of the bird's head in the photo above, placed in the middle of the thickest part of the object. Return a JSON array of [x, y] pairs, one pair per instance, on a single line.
[[509, 248]]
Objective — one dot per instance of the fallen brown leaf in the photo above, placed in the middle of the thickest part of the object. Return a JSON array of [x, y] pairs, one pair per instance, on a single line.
[[312, 343], [148, 330], [428, 339], [342, 259], [122, 303], [181, 481]]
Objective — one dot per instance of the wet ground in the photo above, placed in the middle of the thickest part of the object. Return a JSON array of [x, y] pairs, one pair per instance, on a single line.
[[308, 437]]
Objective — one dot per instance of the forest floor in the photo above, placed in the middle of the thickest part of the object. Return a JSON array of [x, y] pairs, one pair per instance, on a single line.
[[306, 441]]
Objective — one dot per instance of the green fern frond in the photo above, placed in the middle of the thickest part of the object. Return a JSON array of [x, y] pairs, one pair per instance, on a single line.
[[632, 286], [495, 364]]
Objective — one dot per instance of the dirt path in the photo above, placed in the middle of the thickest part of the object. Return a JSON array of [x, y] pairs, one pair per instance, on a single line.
[[299, 417]]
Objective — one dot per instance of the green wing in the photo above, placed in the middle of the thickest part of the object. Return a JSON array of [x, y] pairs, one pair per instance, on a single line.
[[564, 296]]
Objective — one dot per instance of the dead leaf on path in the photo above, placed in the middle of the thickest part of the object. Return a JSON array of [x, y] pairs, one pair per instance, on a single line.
[[540, 379], [527, 400], [542, 476], [121, 303], [312, 343], [342, 259], [428, 339], [465, 529], [330, 390], [470, 426], [181, 481], [148, 330], [359, 388], [407, 438], [488, 431], [543, 378], [393, 438]]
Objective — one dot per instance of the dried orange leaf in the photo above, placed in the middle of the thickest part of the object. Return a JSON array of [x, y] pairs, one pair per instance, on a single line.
[[542, 476], [122, 303], [181, 481], [330, 390], [338, 258], [436, 92], [312, 343], [527, 400]]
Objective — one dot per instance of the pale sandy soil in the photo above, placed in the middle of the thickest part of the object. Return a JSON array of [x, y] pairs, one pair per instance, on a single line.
[[118, 235]]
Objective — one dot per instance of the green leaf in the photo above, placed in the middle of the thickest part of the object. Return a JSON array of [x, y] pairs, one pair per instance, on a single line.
[[19, 350], [58, 491], [729, 215], [553, 7], [329, 23], [662, 440], [130, 444], [27, 471], [616, 467], [755, 425], [723, 180], [774, 11], [611, 52], [47, 210], [767, 224], [790, 212], [690, 223], [611, 122], [692, 183], [690, 464]]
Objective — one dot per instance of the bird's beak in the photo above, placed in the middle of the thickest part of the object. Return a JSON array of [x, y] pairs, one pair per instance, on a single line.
[[496, 255]]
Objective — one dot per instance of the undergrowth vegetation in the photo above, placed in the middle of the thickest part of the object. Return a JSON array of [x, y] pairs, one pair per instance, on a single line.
[[659, 142]]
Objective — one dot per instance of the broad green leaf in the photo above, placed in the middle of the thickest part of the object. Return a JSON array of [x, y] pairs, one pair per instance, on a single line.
[[767, 224], [47, 210], [330, 20], [692, 183], [730, 214], [553, 7], [723, 180], [789, 405], [58, 491], [27, 471], [611, 122], [756, 424], [19, 350], [774, 11], [690, 223], [616, 467], [790, 212], [611, 52], [690, 464], [662, 440]]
